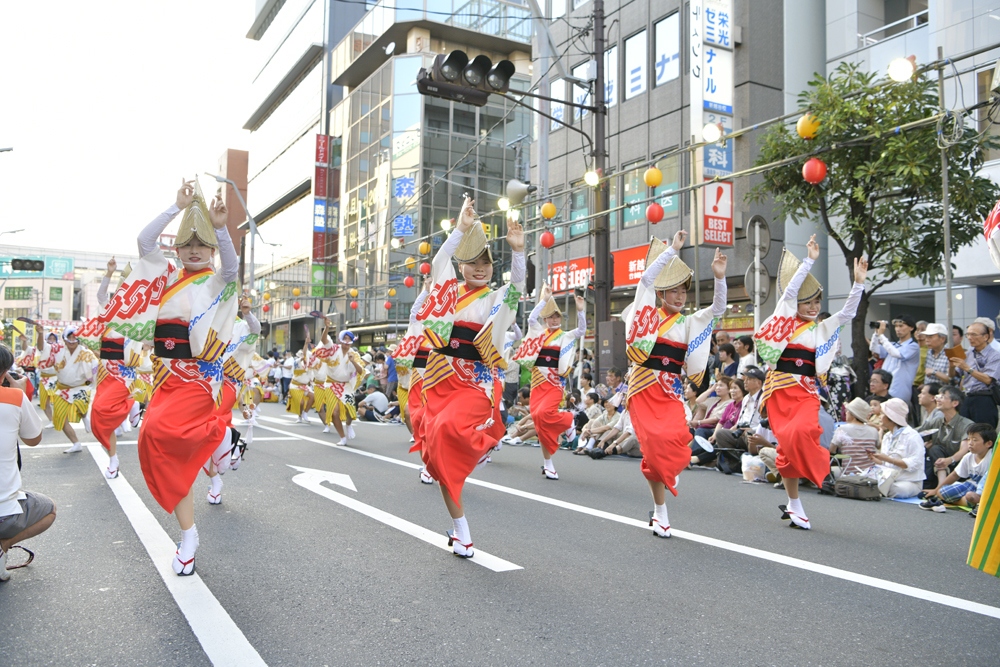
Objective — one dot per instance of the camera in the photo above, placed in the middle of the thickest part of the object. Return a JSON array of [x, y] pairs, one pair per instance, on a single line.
[[873, 325], [13, 374], [764, 423]]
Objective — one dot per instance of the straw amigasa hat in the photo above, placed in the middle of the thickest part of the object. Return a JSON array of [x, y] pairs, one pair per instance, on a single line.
[[474, 243], [674, 273], [786, 269], [196, 223], [550, 309], [127, 271]]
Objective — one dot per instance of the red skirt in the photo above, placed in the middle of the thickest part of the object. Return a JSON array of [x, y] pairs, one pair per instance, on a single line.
[[794, 416], [661, 428], [415, 408], [180, 431], [549, 422], [451, 445], [112, 402]]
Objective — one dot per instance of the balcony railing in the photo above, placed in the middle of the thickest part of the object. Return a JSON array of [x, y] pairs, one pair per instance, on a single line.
[[892, 29]]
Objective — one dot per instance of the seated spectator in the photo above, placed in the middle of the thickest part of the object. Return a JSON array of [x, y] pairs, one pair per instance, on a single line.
[[879, 385], [729, 365], [598, 426], [749, 413], [586, 383], [856, 438], [696, 409], [902, 453], [761, 442], [625, 443], [23, 514], [715, 399], [591, 409], [727, 421], [521, 409], [373, 406], [927, 401], [964, 485], [948, 444], [520, 431], [616, 385]]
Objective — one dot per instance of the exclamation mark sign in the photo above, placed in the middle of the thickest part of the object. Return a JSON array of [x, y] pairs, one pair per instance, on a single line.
[[718, 198]]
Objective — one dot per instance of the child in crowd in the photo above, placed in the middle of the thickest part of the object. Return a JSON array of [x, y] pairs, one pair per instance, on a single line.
[[971, 470], [855, 438]]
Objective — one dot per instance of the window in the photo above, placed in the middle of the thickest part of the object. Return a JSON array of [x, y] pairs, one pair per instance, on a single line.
[[55, 293], [634, 191], [557, 90], [985, 79], [667, 57], [611, 76], [558, 8], [55, 313], [578, 208], [671, 168], [17, 293], [635, 65], [581, 95]]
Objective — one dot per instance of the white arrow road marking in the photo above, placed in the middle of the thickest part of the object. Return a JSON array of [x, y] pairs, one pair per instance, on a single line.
[[312, 480], [847, 575], [221, 639]]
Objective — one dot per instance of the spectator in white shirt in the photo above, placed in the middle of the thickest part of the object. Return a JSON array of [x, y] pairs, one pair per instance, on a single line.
[[287, 370], [901, 358], [373, 405], [744, 350], [971, 470], [902, 453], [23, 514]]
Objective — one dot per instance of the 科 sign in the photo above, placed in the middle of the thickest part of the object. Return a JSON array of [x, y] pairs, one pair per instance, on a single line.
[[718, 214]]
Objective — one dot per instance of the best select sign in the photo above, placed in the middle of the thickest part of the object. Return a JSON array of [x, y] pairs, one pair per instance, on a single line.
[[718, 217]]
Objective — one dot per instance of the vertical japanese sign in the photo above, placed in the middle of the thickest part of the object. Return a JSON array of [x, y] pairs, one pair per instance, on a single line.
[[321, 178]]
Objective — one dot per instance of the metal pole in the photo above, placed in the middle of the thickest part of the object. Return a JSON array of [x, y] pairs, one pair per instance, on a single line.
[[542, 253], [944, 202], [695, 229], [602, 242], [756, 285]]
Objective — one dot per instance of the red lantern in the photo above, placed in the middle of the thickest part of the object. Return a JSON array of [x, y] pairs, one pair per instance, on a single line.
[[266, 308], [547, 239], [654, 213], [354, 305], [408, 281], [814, 170], [296, 305], [387, 304], [425, 268]]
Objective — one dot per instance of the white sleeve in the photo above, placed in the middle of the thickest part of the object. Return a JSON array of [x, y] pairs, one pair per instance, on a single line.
[[31, 424], [719, 300], [417, 304], [792, 291], [915, 452], [102, 291], [964, 467], [253, 323], [227, 253], [149, 237], [516, 330], [536, 312], [850, 309], [448, 248], [581, 325], [517, 270], [653, 270]]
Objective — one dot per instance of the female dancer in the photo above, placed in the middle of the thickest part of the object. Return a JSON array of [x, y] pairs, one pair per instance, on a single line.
[[466, 326], [190, 314], [799, 349], [345, 372], [662, 342], [300, 396], [552, 351]]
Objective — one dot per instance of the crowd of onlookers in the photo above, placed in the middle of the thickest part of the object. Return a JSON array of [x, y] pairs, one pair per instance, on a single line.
[[925, 430]]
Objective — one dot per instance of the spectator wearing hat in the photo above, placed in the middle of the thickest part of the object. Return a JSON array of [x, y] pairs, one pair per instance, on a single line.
[[977, 371], [902, 453], [936, 363], [991, 326], [901, 358], [856, 439]]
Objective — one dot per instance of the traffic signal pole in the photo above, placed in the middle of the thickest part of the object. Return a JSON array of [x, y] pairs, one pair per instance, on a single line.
[[602, 241]]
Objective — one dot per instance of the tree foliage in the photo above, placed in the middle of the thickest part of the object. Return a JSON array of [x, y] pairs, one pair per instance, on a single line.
[[882, 194]]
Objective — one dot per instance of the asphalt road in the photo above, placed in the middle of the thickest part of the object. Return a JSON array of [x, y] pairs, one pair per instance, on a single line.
[[312, 573]]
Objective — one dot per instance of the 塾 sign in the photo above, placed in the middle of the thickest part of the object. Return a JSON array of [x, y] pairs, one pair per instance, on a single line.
[[718, 216]]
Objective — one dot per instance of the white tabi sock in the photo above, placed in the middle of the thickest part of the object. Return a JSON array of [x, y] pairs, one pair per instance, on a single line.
[[189, 543], [795, 506], [216, 484], [462, 530], [660, 514], [547, 464], [133, 414], [113, 463]]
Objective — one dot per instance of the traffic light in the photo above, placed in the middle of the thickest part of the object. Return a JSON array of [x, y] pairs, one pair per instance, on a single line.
[[27, 265], [454, 77]]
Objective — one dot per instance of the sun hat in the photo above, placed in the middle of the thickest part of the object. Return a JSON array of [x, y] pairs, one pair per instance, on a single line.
[[896, 410], [859, 408]]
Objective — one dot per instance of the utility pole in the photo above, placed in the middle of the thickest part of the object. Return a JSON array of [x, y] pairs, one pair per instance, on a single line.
[[602, 242], [944, 200]]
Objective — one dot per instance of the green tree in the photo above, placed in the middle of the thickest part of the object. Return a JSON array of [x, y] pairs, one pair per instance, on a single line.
[[882, 194]]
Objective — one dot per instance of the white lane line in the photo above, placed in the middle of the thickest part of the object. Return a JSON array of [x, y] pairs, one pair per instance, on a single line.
[[221, 639], [310, 482], [66, 445], [847, 575]]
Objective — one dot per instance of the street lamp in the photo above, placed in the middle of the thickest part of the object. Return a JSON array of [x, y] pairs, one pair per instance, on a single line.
[[712, 132], [902, 69], [253, 224]]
